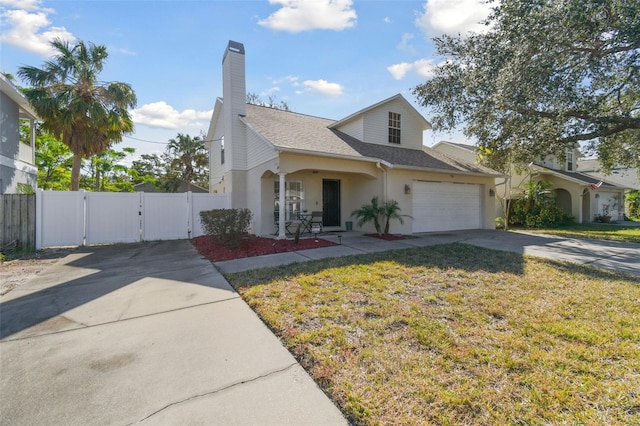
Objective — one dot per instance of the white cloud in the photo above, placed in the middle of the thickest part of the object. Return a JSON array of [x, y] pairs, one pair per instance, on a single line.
[[160, 114], [398, 71], [29, 28], [405, 43], [423, 67], [126, 51], [453, 16], [22, 4], [304, 15], [323, 87]]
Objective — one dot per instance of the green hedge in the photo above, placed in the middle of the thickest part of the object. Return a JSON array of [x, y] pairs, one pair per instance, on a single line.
[[226, 225]]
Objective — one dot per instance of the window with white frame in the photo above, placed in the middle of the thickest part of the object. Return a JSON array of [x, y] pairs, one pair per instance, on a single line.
[[293, 197], [569, 160], [394, 128]]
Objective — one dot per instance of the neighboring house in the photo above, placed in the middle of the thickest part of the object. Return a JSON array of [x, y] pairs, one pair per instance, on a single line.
[[620, 175], [584, 196], [149, 187], [17, 159], [279, 163]]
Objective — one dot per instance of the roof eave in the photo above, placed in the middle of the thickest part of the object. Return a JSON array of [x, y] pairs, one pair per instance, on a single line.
[[381, 161], [455, 171], [578, 181]]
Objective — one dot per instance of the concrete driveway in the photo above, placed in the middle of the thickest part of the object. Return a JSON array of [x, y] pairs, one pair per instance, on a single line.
[[152, 333], [145, 333], [611, 255]]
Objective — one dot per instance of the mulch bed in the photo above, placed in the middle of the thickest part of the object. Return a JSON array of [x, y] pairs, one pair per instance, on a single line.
[[253, 246], [387, 237]]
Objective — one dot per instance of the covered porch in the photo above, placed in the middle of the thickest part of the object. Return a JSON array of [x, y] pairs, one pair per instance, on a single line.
[[311, 193]]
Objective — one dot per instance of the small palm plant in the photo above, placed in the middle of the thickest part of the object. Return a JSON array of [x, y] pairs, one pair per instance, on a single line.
[[391, 210], [369, 213]]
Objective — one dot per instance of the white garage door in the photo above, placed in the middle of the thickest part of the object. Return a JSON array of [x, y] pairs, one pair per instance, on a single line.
[[445, 206]]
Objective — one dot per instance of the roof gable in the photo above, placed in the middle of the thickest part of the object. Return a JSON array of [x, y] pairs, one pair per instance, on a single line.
[[356, 115], [294, 132]]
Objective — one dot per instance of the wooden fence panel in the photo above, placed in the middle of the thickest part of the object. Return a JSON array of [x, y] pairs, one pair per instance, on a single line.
[[18, 215]]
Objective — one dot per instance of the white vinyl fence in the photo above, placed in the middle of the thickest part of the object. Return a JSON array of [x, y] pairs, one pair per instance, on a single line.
[[83, 218]]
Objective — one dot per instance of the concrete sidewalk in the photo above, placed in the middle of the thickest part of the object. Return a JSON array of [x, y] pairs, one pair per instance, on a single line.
[[145, 333], [612, 255]]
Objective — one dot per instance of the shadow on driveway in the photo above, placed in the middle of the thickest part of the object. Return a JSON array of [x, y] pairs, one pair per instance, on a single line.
[[59, 297]]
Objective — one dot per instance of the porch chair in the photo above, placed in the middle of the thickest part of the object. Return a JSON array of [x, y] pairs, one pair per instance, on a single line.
[[316, 219], [276, 221], [290, 226]]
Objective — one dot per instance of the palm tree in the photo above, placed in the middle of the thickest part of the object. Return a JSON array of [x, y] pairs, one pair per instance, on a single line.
[[189, 156], [369, 213], [85, 114], [391, 210]]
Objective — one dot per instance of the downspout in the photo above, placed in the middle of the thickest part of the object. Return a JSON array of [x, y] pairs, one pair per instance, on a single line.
[[384, 181]]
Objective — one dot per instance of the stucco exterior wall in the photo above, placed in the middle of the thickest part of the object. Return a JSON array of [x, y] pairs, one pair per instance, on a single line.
[[397, 179]]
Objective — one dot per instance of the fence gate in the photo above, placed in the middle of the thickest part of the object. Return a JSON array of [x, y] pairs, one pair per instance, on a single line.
[[67, 218]]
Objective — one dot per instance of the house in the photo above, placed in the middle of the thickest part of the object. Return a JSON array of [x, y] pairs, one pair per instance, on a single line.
[[279, 163], [586, 197], [622, 176], [17, 155]]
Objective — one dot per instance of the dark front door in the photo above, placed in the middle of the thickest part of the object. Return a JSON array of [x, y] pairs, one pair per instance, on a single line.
[[330, 202]]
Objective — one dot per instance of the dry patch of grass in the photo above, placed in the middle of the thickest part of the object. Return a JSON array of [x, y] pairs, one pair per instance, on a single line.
[[456, 334], [630, 234]]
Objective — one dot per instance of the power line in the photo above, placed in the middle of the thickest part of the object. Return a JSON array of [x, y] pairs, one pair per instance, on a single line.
[[145, 140], [165, 143]]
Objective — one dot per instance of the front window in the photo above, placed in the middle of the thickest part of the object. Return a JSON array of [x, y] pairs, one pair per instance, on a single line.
[[394, 128], [293, 198], [569, 161]]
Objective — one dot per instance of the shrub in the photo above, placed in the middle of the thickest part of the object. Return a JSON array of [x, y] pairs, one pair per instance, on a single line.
[[539, 216], [226, 225]]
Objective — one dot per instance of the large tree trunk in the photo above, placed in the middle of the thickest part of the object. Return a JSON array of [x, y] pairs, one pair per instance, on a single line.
[[75, 172]]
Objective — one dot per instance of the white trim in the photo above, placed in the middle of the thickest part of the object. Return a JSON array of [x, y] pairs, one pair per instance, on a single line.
[[18, 165]]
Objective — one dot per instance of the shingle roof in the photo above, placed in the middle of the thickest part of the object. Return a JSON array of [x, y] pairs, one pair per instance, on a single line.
[[585, 179], [292, 131]]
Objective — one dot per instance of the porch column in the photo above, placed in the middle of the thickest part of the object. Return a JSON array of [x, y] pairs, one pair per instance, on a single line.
[[281, 209]]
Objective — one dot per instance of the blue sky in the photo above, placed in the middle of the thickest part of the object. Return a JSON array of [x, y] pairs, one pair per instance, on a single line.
[[327, 58]]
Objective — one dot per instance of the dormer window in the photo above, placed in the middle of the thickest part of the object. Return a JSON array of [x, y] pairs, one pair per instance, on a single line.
[[570, 161], [394, 128]]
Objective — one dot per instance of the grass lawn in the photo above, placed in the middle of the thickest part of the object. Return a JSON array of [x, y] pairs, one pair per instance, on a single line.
[[599, 231], [456, 334]]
